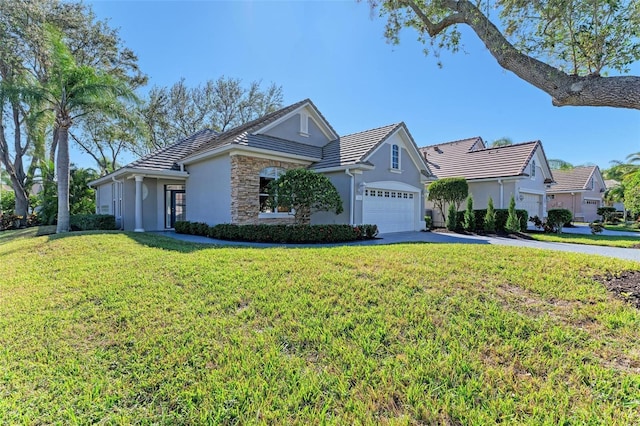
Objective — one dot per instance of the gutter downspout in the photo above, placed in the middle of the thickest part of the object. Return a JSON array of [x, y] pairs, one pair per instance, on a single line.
[[501, 193], [351, 192]]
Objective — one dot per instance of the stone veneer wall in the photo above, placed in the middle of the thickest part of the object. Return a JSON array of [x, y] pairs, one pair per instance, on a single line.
[[245, 187]]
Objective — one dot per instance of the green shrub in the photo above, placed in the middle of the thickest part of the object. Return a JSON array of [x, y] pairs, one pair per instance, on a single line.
[[182, 227], [607, 213], [500, 216], [513, 223], [558, 217], [428, 223], [279, 233], [469, 222], [89, 222], [489, 219], [452, 218], [596, 227]]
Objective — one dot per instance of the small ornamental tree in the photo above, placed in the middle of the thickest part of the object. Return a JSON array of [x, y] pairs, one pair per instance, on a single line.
[[490, 217], [304, 191], [452, 218], [513, 223], [448, 191], [607, 213], [469, 216], [558, 217]]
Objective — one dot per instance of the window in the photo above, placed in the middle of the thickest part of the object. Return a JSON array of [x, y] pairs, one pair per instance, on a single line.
[[395, 157], [533, 168], [267, 175], [591, 183]]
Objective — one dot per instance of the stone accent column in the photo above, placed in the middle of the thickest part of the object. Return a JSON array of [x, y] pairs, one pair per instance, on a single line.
[[245, 188], [138, 214]]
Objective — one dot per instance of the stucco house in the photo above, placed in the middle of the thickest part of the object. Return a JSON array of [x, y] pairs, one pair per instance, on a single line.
[[220, 177], [580, 190], [521, 170]]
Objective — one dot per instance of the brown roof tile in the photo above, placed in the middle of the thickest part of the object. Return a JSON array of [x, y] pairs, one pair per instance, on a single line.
[[352, 149], [470, 159], [576, 179]]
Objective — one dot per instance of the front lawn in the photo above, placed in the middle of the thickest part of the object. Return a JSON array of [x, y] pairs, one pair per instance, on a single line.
[[627, 227], [595, 240], [121, 328]]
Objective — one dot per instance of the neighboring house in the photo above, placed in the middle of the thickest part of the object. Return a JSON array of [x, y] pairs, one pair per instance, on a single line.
[[611, 184], [520, 170], [579, 190], [221, 177]]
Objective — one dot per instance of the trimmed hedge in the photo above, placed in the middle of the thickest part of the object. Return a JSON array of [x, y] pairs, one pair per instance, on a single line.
[[501, 219], [279, 233], [91, 222], [11, 221]]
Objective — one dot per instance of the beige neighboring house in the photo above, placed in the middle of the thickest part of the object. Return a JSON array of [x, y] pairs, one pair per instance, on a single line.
[[520, 170], [580, 190]]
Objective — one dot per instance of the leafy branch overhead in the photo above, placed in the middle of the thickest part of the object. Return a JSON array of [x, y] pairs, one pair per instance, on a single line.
[[564, 47]]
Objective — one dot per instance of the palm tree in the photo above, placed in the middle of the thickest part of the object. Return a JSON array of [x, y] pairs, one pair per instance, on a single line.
[[73, 91]]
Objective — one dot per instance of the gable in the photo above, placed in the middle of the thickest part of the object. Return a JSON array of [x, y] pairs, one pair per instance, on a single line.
[[381, 155], [304, 124], [295, 129]]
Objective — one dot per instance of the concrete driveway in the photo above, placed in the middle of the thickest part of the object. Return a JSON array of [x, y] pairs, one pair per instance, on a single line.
[[435, 237]]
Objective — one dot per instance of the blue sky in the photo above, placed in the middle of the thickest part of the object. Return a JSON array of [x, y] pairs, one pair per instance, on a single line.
[[335, 53]]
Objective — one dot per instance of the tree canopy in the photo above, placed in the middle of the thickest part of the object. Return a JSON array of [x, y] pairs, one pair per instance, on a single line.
[[173, 113], [564, 47], [304, 191]]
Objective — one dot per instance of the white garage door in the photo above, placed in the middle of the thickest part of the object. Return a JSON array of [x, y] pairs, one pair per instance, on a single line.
[[531, 203], [392, 211]]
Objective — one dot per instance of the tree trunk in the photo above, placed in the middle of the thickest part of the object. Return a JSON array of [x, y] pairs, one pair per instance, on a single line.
[[564, 89], [62, 172]]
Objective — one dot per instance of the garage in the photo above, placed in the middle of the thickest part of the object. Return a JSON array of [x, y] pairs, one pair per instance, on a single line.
[[391, 210], [532, 203]]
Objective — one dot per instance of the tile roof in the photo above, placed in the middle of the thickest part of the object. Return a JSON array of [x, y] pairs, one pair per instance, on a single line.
[[576, 179], [166, 158], [352, 149], [238, 135], [272, 143], [469, 158]]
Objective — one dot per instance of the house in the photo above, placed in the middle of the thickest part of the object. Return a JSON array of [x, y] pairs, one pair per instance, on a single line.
[[217, 178], [519, 170], [580, 190]]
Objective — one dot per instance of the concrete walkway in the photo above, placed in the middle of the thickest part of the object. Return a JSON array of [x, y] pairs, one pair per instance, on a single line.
[[435, 237]]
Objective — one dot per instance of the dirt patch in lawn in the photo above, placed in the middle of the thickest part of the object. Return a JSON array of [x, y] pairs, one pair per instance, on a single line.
[[624, 285]]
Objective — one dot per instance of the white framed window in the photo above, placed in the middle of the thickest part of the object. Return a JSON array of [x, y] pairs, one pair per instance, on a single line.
[[304, 124], [267, 175], [395, 157], [533, 169]]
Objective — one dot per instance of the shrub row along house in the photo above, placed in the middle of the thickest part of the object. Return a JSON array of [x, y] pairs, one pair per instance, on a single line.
[[221, 177], [381, 175]]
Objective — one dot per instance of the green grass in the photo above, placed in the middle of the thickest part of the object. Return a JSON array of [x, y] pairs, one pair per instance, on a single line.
[[135, 328], [6, 236], [630, 227], [595, 240]]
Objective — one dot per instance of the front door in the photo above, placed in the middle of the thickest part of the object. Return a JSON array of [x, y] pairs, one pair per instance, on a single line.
[[176, 203]]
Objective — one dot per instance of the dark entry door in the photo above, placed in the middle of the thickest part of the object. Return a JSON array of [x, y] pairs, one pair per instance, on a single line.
[[176, 205]]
